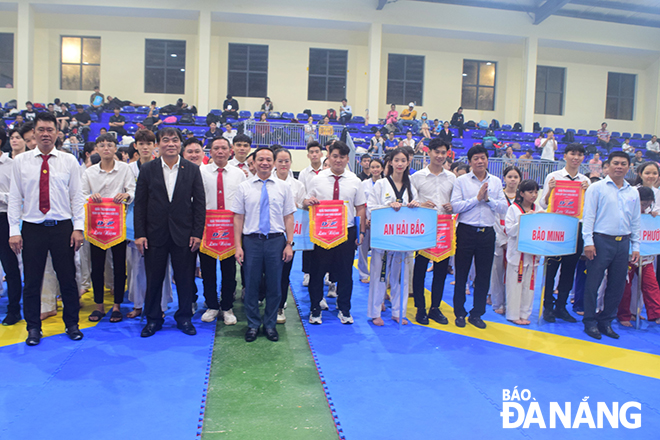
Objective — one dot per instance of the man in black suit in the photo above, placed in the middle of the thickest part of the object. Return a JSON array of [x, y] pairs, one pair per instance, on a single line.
[[170, 209]]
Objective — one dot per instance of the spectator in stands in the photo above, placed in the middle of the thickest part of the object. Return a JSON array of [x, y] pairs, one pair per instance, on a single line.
[[262, 130], [229, 133], [103, 130], [117, 122], [188, 134], [194, 152], [637, 160], [57, 105], [211, 133], [310, 130], [392, 119], [424, 127], [391, 143], [29, 113], [63, 118], [51, 108], [345, 112], [96, 102], [436, 127], [549, 146], [230, 108], [604, 139], [152, 121], [458, 121], [410, 114], [267, 106], [365, 160], [509, 158], [376, 144], [16, 143], [182, 107], [18, 122], [595, 166], [82, 122], [70, 143], [606, 169], [538, 140], [445, 133], [627, 148], [118, 103], [408, 141], [653, 149]]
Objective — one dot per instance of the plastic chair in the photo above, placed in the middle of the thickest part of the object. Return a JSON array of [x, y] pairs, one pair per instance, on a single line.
[[130, 128], [244, 114], [357, 120], [302, 116], [581, 132], [142, 109], [128, 109], [287, 115], [317, 117], [636, 136], [559, 130]]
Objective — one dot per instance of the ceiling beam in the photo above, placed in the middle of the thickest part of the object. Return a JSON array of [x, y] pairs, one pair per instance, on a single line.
[[621, 6], [486, 4], [610, 18], [547, 9], [381, 5]]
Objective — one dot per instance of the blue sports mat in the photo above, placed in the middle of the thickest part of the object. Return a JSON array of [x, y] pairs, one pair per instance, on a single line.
[[419, 382], [112, 384]]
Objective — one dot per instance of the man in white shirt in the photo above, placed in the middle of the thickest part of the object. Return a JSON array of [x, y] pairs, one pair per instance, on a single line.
[[229, 133], [7, 256], [477, 198], [573, 156], [114, 180], [653, 149], [263, 209], [336, 183], [549, 146], [242, 145], [221, 181], [345, 112], [434, 186], [46, 195]]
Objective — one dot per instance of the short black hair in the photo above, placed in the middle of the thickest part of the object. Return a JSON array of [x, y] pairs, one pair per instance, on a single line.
[[79, 107], [510, 168], [219, 139], [365, 156], [645, 194], [145, 136], [107, 137], [282, 150], [192, 140], [314, 144], [242, 138], [95, 158], [168, 131], [263, 149], [576, 148], [341, 147], [131, 151], [45, 117], [477, 149], [26, 128], [88, 147], [620, 154], [437, 143]]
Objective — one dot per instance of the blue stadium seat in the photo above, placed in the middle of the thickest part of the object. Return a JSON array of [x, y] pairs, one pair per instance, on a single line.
[[231, 120], [138, 118], [317, 117], [274, 115], [615, 134], [581, 132], [626, 135], [559, 130], [198, 131], [216, 112], [636, 136], [506, 127], [457, 143], [546, 129], [287, 115], [647, 137], [128, 109], [142, 109], [365, 129], [528, 137], [593, 132], [200, 120], [478, 134], [244, 114], [506, 136], [94, 117], [257, 115], [357, 120], [301, 116], [130, 128], [570, 130]]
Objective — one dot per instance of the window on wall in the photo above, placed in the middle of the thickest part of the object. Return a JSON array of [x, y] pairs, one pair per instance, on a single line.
[[6, 60], [165, 66], [549, 90], [478, 85], [248, 70], [327, 74], [620, 96], [405, 79], [80, 63]]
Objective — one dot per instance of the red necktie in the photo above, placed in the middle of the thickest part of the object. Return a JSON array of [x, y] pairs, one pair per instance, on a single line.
[[241, 165], [44, 185], [316, 171], [221, 188], [335, 192]]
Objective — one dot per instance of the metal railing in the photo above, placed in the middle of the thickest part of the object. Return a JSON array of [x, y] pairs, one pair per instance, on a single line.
[[289, 135]]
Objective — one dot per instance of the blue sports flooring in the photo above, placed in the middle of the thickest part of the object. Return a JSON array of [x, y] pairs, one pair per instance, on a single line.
[[111, 385], [424, 382]]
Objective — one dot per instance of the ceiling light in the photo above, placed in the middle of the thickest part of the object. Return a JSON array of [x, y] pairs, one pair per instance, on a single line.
[[173, 55], [183, 70], [465, 74], [488, 64]]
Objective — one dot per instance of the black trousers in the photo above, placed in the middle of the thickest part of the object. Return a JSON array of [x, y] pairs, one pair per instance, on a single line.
[[119, 271], [286, 273], [307, 261], [10, 266], [37, 241], [121, 131], [566, 278], [339, 262], [183, 265], [477, 243], [438, 283], [208, 265]]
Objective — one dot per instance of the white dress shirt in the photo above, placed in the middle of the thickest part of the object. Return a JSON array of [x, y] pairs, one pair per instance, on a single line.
[[549, 149], [6, 165], [232, 177], [432, 188], [247, 202], [66, 198], [170, 175], [243, 166], [297, 188], [133, 166], [109, 183], [306, 175], [350, 190], [472, 211], [653, 146]]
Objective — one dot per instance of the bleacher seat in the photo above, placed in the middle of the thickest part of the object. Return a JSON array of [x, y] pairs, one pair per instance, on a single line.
[[559, 130], [647, 137], [200, 120], [570, 130], [85, 107], [506, 136], [636, 136], [231, 121], [142, 109], [528, 137], [506, 127], [9, 105], [94, 117], [626, 135], [457, 143], [593, 132], [130, 128], [365, 129], [198, 131], [546, 129], [615, 134], [478, 134], [216, 112], [287, 115], [274, 115], [581, 132], [257, 115], [317, 117], [357, 120], [301, 116], [244, 114], [128, 109], [139, 118]]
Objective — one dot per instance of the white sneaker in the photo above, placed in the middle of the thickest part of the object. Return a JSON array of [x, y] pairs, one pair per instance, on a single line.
[[229, 317], [281, 317], [315, 319], [323, 305], [210, 315], [345, 319], [332, 290], [326, 279], [306, 280]]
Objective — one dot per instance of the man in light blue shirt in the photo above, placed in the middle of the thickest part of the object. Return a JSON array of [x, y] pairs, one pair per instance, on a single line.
[[477, 198], [611, 226]]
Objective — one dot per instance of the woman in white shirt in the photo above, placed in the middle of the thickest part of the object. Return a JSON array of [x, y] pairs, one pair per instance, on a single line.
[[283, 172], [395, 191], [647, 175], [310, 130], [520, 267], [408, 141], [376, 169]]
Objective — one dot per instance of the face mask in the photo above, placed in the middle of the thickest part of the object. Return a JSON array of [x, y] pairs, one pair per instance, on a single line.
[[424, 117]]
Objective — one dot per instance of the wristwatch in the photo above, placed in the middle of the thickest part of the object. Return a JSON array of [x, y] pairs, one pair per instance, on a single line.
[[290, 243]]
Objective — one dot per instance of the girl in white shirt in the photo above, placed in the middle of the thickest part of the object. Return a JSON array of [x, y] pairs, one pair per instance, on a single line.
[[520, 267], [647, 175], [395, 191], [512, 177], [376, 169]]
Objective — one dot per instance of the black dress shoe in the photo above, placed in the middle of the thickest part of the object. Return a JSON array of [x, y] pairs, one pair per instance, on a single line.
[[436, 315], [593, 332], [74, 333], [34, 337], [477, 322], [562, 313], [150, 329], [187, 328], [548, 315], [607, 331], [11, 318], [421, 317], [251, 334], [460, 321], [271, 334]]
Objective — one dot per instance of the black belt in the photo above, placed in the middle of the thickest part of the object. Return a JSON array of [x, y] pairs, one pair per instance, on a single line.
[[49, 222], [613, 237], [476, 228], [266, 236]]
